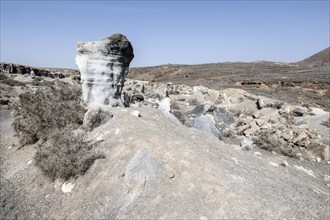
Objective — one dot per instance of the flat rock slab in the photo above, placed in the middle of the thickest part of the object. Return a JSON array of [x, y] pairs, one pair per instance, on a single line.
[[141, 170]]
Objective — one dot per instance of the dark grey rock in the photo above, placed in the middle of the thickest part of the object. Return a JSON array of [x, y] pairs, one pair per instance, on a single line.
[[142, 169], [196, 112], [222, 115], [236, 100], [183, 118], [299, 112], [205, 123], [262, 103]]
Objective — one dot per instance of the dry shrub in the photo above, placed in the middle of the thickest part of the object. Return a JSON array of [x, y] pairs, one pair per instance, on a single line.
[[326, 123], [193, 101], [175, 105], [52, 107], [269, 141], [38, 81], [10, 82], [66, 155]]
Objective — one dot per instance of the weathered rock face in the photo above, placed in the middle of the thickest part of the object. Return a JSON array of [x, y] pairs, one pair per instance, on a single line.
[[103, 65]]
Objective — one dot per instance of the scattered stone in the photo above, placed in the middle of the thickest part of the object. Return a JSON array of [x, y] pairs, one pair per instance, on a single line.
[[246, 144], [165, 105], [299, 112], [287, 135], [136, 98], [263, 103], [284, 164], [241, 129], [257, 153], [248, 132], [260, 122], [103, 65], [205, 123], [236, 100], [142, 168], [326, 178], [67, 187], [256, 114], [222, 115], [136, 113], [183, 118], [273, 164], [302, 169], [246, 119], [254, 127], [235, 160], [300, 137], [197, 111]]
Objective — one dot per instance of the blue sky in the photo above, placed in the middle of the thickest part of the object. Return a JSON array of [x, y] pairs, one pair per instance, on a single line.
[[45, 33]]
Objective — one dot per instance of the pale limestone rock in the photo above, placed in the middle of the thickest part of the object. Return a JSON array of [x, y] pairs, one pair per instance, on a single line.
[[103, 65]]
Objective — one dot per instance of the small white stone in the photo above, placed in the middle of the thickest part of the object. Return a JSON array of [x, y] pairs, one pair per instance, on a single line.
[[117, 131], [318, 159], [236, 161], [257, 153], [99, 138], [136, 113], [284, 164], [309, 172], [67, 187], [273, 164], [29, 162]]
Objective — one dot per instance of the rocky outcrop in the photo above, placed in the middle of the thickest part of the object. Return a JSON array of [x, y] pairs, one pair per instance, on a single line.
[[154, 168], [238, 117], [43, 72], [103, 65]]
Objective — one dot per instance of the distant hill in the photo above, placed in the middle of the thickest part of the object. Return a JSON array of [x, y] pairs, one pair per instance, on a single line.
[[308, 78], [319, 59], [219, 71]]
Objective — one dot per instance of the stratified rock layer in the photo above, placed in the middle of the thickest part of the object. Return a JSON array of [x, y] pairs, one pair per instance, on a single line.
[[103, 65]]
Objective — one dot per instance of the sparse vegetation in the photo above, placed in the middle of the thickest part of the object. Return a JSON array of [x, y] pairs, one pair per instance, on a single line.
[[193, 101], [38, 114], [41, 82], [175, 105], [66, 155], [326, 123], [267, 140], [10, 82]]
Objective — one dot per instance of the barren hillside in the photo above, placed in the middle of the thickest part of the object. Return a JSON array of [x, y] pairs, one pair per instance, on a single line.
[[303, 83]]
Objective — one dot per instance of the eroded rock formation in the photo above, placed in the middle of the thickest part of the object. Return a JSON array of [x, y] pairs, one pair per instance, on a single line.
[[103, 65]]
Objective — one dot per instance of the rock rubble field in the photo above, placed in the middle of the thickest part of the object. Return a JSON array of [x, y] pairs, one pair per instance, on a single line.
[[166, 151], [181, 152]]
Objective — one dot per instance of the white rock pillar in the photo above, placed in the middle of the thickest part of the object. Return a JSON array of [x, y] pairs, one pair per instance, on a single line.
[[103, 66]]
